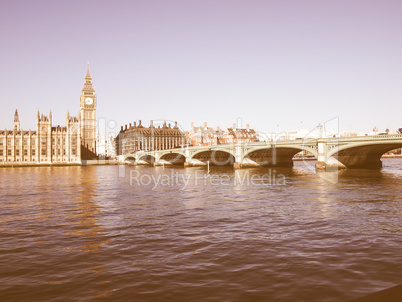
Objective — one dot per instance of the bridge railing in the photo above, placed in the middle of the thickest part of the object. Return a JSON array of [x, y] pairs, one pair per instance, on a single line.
[[365, 138]]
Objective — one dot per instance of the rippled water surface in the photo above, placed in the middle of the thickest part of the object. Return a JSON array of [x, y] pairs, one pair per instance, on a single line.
[[88, 234]]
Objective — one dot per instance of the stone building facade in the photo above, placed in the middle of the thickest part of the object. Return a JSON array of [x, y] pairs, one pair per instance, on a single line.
[[205, 136], [54, 144], [135, 137]]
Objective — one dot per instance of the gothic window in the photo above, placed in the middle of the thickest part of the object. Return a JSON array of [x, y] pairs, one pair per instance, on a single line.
[[9, 152], [43, 152], [33, 151], [43, 141], [25, 152], [1, 152], [17, 152]]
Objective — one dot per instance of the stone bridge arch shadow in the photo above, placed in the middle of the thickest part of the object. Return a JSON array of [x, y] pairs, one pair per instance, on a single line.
[[131, 160], [172, 159], [214, 157], [146, 160], [364, 156], [275, 156]]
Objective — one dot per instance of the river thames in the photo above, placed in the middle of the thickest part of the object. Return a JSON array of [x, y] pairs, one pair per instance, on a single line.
[[113, 233]]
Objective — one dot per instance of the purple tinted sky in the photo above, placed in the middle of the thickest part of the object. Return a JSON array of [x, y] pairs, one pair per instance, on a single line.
[[287, 63]]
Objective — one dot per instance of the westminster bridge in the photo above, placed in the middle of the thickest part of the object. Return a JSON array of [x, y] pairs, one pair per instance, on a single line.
[[344, 152]]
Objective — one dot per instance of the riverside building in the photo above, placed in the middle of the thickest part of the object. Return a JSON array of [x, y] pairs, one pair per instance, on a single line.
[[50, 144], [135, 137], [206, 136]]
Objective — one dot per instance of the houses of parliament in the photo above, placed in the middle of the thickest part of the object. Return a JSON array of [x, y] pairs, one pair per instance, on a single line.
[[50, 144]]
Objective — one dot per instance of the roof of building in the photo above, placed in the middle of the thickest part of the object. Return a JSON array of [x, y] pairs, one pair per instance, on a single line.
[[140, 130], [19, 133], [234, 132], [59, 129], [241, 132], [208, 131]]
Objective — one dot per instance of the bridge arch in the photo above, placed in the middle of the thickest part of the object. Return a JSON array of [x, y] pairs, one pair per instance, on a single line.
[[174, 158], [215, 157], [130, 159], [275, 155], [365, 155], [146, 159]]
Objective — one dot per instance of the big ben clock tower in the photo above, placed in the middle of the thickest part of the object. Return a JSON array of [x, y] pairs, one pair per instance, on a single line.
[[88, 114]]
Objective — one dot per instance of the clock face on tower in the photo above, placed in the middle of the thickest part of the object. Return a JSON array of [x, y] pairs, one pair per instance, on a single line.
[[89, 101]]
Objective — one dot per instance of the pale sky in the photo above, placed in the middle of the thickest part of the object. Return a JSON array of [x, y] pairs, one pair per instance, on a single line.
[[275, 64]]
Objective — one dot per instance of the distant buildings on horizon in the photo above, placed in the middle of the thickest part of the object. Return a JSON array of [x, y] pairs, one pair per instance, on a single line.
[[204, 135]]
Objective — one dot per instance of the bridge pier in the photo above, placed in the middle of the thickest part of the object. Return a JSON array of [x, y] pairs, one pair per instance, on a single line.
[[238, 163], [187, 156], [321, 157], [191, 162], [246, 163], [324, 161]]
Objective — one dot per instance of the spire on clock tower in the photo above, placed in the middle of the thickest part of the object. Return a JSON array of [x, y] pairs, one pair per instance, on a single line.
[[88, 75], [88, 82]]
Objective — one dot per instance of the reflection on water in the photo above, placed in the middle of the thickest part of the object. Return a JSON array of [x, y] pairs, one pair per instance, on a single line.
[[83, 233]]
